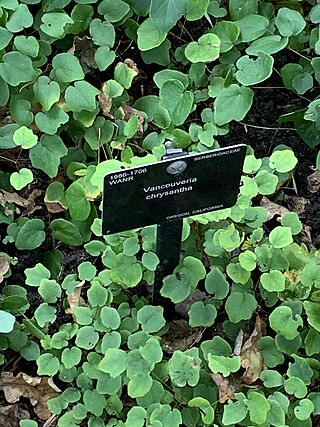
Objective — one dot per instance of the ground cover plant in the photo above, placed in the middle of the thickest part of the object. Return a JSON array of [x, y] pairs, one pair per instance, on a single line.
[[88, 87]]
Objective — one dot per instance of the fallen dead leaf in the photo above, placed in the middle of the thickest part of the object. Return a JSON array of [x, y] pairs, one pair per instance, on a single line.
[[75, 299], [54, 207], [250, 355], [314, 181], [180, 336], [28, 204], [84, 50], [10, 415], [296, 204], [183, 307], [273, 209], [226, 386], [130, 111], [37, 390], [105, 103], [4, 267]]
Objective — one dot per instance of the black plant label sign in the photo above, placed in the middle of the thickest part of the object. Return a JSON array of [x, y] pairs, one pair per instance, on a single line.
[[171, 189]]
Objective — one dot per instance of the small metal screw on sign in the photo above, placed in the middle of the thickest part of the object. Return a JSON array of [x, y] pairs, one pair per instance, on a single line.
[[163, 193]]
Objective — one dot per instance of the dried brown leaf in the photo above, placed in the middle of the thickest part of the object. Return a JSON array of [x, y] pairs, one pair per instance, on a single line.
[[296, 204], [10, 415], [130, 111], [84, 50], [314, 181], [226, 387], [131, 64], [75, 299], [37, 390], [183, 307], [28, 204], [273, 209], [105, 104], [180, 336], [4, 267], [54, 207], [250, 355]]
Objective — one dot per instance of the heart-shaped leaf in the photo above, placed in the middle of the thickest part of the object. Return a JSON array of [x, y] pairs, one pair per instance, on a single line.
[[20, 179], [207, 49]]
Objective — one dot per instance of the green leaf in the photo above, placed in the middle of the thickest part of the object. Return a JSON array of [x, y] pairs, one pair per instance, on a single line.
[[136, 416], [151, 351], [50, 290], [124, 73], [47, 92], [87, 337], [273, 281], [27, 45], [252, 27], [149, 35], [79, 206], [94, 402], [81, 96], [247, 260], [54, 23], [35, 274], [151, 318], [206, 49], [184, 367], [177, 288], [83, 315], [223, 365], [253, 71], [304, 409], [284, 322], [20, 19], [114, 362], [25, 137], [310, 274], [291, 220], [176, 100], [51, 120], [110, 317], [113, 10], [282, 161], [289, 22], [240, 8], [240, 306], [45, 314], [228, 239], [202, 315], [66, 232], [30, 235], [6, 322], [70, 357], [5, 37], [21, 112], [28, 423], [47, 364], [237, 273], [228, 33], [16, 68], [271, 378], [301, 369], [150, 260], [267, 44], [47, 153], [66, 68], [104, 57], [216, 283], [266, 182], [235, 412], [280, 237], [20, 179], [258, 407], [97, 294], [206, 410], [271, 355], [102, 33], [232, 103], [313, 314], [295, 386], [166, 13]]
